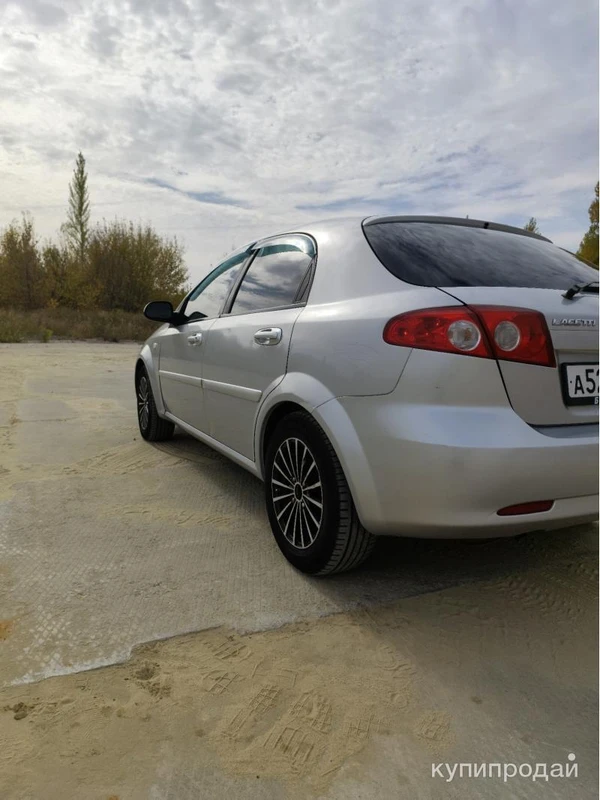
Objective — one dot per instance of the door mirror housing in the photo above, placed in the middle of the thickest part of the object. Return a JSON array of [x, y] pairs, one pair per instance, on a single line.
[[162, 311]]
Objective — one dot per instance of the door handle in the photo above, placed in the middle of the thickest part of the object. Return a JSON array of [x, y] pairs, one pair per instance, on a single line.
[[194, 339], [268, 336]]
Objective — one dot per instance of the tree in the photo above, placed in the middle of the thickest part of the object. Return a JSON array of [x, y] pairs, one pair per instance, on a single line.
[[131, 265], [68, 285], [531, 226], [588, 249], [22, 278], [77, 226]]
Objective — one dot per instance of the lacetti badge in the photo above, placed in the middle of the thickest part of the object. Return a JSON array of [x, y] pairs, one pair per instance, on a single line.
[[574, 323]]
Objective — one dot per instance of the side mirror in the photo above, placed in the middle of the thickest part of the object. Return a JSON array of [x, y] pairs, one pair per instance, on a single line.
[[159, 311]]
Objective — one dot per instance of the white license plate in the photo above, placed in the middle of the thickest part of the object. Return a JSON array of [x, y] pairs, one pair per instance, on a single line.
[[580, 384]]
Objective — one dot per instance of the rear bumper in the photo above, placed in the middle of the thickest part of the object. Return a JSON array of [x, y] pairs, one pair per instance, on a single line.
[[438, 471]]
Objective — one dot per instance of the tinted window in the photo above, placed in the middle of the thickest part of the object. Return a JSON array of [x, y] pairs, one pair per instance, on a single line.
[[429, 254], [274, 277], [207, 298]]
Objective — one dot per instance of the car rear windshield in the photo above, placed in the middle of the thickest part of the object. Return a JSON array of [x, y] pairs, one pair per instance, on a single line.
[[434, 254]]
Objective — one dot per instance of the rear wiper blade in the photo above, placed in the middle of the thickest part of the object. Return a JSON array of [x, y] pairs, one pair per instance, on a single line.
[[576, 289]]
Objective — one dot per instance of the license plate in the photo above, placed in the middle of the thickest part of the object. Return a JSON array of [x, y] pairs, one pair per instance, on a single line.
[[580, 384]]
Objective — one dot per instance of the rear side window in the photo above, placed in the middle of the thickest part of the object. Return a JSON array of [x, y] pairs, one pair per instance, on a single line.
[[276, 276], [430, 254]]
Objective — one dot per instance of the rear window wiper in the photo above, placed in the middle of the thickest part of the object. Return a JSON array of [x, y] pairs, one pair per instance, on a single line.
[[592, 287]]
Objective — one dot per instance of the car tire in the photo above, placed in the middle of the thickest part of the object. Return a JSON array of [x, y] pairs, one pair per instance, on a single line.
[[310, 508], [152, 427]]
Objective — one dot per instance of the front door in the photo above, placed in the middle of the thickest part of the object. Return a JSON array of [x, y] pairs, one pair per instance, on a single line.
[[182, 347], [247, 348], [180, 370]]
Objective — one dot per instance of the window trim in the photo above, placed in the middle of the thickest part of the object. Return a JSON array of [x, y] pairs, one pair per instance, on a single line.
[[303, 289], [226, 310], [306, 283]]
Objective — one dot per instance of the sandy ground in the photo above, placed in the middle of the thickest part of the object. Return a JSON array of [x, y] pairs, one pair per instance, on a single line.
[[273, 685]]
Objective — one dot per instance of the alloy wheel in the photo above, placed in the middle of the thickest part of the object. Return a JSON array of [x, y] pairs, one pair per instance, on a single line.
[[297, 493], [143, 402]]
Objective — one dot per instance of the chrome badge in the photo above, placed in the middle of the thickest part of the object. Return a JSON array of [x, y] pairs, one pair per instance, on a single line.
[[581, 322]]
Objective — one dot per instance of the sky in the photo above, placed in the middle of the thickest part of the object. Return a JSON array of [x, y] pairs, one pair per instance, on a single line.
[[222, 121]]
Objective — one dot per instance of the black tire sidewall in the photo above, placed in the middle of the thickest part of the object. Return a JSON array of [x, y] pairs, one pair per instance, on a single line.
[[314, 558]]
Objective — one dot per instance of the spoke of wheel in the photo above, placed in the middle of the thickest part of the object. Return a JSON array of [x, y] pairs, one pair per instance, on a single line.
[[314, 519], [316, 502], [283, 510], [288, 467], [310, 469], [282, 496], [289, 473], [296, 520], [279, 483], [303, 517], [287, 485], [314, 486], [294, 476], [297, 462], [287, 524], [302, 477]]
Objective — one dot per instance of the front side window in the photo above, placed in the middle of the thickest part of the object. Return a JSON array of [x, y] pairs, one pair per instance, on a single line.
[[208, 297], [276, 275]]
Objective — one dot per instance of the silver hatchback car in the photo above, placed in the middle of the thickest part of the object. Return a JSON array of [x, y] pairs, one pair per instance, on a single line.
[[408, 376]]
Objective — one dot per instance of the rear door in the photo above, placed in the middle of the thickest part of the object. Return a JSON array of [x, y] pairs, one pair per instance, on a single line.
[[479, 265], [246, 350]]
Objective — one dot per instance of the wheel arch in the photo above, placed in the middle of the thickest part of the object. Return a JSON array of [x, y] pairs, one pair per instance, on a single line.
[[339, 429], [344, 542], [148, 359], [273, 417]]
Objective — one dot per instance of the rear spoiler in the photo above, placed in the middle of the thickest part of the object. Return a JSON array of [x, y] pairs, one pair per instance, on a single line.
[[465, 222]]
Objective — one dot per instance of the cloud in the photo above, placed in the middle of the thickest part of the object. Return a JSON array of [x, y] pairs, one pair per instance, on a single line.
[[248, 121], [44, 15], [214, 198]]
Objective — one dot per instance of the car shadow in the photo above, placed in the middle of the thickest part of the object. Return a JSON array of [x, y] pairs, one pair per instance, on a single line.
[[398, 567]]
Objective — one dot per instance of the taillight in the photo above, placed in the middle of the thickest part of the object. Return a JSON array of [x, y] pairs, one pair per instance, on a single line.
[[452, 330], [518, 334], [510, 334]]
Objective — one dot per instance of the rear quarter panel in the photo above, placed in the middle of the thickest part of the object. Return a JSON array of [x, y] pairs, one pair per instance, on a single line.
[[338, 337]]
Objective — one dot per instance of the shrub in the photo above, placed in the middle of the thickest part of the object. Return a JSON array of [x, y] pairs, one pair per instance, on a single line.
[[69, 323]]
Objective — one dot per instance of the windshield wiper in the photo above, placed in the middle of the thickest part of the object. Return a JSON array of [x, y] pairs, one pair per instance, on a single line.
[[576, 289]]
